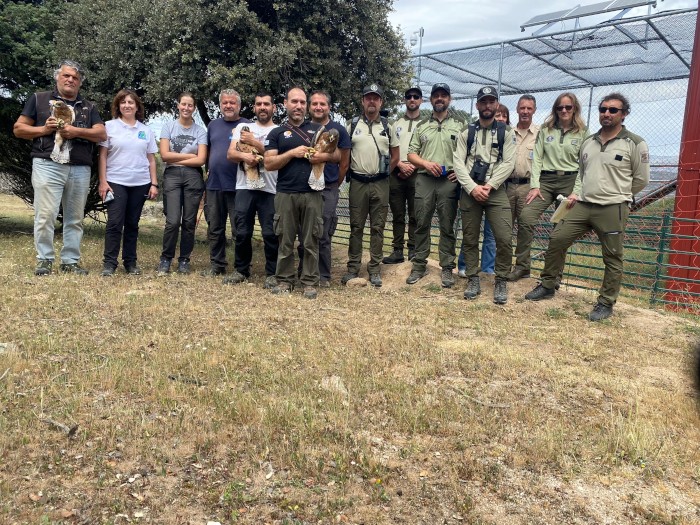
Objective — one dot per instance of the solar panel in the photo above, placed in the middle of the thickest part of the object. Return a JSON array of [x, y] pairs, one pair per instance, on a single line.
[[586, 10], [545, 19], [627, 4]]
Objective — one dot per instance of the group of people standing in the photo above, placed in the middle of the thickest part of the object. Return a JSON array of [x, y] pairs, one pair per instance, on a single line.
[[416, 166]]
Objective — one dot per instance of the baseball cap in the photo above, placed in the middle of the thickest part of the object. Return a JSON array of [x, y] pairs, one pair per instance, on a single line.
[[440, 86], [373, 88], [413, 88], [487, 91]]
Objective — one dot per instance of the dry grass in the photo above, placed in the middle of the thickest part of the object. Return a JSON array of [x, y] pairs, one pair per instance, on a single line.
[[197, 402]]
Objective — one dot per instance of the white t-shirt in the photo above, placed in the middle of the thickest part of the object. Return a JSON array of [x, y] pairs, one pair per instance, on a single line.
[[270, 177], [127, 152]]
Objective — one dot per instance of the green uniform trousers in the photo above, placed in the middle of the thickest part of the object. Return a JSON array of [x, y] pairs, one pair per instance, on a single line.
[[550, 186], [367, 199], [497, 209], [401, 200], [298, 212], [435, 193], [608, 222]]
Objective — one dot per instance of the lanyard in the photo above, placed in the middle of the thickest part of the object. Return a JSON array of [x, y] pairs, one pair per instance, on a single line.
[[302, 135]]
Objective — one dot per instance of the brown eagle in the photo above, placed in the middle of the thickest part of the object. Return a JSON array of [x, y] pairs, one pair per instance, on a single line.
[[252, 173], [324, 141], [64, 115]]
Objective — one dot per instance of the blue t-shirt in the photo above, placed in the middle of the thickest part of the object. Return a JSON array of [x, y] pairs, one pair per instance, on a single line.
[[222, 172], [294, 176], [331, 172]]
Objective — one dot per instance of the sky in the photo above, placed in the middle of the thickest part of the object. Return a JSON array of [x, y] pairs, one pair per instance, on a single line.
[[451, 24]]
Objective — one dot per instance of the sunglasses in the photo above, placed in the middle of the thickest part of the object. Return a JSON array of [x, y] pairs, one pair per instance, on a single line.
[[567, 107], [414, 97], [612, 111]]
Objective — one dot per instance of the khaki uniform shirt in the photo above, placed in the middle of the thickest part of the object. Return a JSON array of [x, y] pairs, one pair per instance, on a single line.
[[485, 148], [403, 130], [436, 141], [556, 151], [524, 150], [612, 173], [364, 157]]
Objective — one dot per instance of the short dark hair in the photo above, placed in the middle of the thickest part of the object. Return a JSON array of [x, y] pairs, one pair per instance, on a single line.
[[527, 96], [323, 93], [116, 112], [263, 93], [187, 94], [621, 98]]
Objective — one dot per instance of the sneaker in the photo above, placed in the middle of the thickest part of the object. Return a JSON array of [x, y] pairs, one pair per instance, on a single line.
[[270, 282], [310, 292], [473, 287], [462, 274], [164, 267], [600, 311], [132, 269], [500, 292], [411, 254], [375, 280], [281, 288], [325, 283], [448, 278], [235, 278], [518, 273], [73, 268], [43, 267], [348, 277], [183, 267], [539, 293], [415, 276], [395, 258], [213, 271], [108, 271]]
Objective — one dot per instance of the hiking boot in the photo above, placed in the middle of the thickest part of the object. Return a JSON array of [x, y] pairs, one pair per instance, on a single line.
[[132, 269], [270, 282], [108, 271], [348, 277], [395, 258], [375, 280], [74, 268], [415, 276], [325, 283], [183, 267], [600, 311], [473, 287], [281, 288], [310, 292], [557, 281], [448, 278], [539, 293], [235, 278], [411, 253], [518, 273], [43, 267], [213, 271], [500, 292], [164, 267]]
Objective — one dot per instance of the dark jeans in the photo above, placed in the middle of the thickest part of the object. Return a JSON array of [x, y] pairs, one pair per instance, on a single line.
[[123, 214], [330, 194], [248, 203], [218, 208], [182, 191]]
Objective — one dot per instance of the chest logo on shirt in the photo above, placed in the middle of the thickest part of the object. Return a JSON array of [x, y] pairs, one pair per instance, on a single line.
[[287, 134], [142, 135], [549, 138], [574, 142], [358, 132]]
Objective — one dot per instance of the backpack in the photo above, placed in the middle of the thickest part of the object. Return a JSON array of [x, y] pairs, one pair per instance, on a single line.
[[500, 137]]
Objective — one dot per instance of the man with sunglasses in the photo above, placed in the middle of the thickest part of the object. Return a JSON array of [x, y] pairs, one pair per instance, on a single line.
[[614, 166], [402, 183]]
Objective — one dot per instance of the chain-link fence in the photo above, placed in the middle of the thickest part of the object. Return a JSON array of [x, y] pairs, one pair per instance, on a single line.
[[648, 60]]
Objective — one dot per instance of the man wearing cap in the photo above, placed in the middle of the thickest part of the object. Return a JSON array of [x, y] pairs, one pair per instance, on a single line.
[[402, 182], [373, 155], [482, 166], [518, 184], [614, 166], [431, 150]]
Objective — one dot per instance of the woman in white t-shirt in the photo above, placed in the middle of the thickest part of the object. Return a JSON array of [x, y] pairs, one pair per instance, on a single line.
[[127, 170], [183, 148]]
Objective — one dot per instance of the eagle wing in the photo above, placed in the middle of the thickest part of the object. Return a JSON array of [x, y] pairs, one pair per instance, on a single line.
[[325, 141], [65, 116]]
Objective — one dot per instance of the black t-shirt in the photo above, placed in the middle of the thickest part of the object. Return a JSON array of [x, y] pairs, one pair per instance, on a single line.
[[294, 176]]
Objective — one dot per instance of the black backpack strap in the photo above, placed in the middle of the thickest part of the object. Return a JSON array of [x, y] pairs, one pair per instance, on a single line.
[[500, 138], [471, 133], [353, 125]]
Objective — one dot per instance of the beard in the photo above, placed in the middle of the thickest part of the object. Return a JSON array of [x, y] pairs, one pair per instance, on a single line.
[[439, 107], [486, 114]]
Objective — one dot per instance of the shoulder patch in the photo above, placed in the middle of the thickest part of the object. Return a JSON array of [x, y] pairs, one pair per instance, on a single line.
[[645, 157]]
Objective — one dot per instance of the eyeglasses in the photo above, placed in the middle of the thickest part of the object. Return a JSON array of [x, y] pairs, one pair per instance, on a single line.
[[567, 107], [414, 97], [612, 111]]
